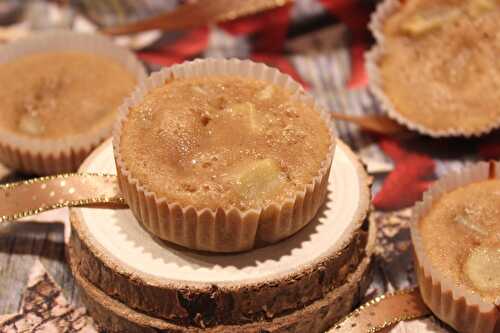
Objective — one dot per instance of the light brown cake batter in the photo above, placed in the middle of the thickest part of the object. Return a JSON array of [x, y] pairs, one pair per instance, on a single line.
[[461, 235], [56, 95], [440, 67], [223, 141]]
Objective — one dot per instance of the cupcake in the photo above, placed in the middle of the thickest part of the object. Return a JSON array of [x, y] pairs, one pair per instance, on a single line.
[[434, 67], [60, 98], [217, 155], [456, 233]]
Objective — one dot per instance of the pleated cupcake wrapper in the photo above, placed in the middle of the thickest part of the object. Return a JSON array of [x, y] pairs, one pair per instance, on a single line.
[[221, 230], [372, 59], [51, 156], [460, 308]]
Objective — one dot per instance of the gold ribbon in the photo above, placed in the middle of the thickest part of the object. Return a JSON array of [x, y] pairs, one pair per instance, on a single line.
[[196, 14], [383, 312], [30, 197]]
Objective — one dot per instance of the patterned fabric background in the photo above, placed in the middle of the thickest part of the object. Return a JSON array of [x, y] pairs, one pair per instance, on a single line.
[[321, 44]]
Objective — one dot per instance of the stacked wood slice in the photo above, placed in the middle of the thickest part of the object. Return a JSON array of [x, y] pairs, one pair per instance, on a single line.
[[132, 282]]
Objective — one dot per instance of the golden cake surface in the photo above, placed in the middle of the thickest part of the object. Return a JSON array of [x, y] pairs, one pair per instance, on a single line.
[[461, 236], [440, 65], [59, 94], [222, 141]]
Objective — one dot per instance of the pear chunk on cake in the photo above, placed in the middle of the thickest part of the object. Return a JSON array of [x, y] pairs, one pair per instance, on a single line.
[[247, 111], [477, 8], [257, 179], [426, 22], [483, 267]]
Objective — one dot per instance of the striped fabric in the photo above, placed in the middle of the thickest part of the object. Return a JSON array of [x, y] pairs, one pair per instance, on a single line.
[[321, 44]]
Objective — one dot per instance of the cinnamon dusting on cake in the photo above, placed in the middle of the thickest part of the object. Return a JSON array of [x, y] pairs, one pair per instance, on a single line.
[[59, 94], [452, 82], [461, 235], [230, 136]]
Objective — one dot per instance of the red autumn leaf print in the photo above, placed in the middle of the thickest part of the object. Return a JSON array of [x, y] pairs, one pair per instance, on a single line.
[[185, 47], [409, 179], [359, 78], [280, 62], [393, 149], [269, 28], [355, 14]]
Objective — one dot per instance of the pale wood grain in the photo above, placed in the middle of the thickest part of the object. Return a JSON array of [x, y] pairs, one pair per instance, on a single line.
[[21, 245], [44, 308]]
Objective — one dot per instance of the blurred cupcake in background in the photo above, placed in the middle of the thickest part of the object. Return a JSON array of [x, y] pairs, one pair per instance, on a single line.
[[60, 92], [434, 67]]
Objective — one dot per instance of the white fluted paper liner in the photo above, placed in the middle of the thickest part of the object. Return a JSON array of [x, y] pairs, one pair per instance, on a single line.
[[50, 156], [372, 59], [222, 230], [460, 308]]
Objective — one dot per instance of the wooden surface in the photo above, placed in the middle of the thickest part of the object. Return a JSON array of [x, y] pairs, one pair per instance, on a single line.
[[36, 246], [23, 246], [45, 309]]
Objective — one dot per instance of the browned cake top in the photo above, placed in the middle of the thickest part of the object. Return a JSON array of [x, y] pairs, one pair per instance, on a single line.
[[223, 142], [441, 68], [461, 235], [55, 95]]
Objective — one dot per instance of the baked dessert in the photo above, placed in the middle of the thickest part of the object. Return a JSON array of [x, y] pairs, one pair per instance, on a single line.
[[457, 241], [435, 66], [108, 248], [230, 147], [461, 236], [323, 267], [58, 104], [223, 141], [61, 94]]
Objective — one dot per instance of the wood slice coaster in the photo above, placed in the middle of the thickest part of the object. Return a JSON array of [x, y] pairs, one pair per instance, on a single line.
[[113, 316], [128, 274]]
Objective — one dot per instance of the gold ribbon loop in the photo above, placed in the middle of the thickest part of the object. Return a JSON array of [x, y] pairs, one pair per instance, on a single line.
[[382, 312], [37, 195], [196, 14]]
